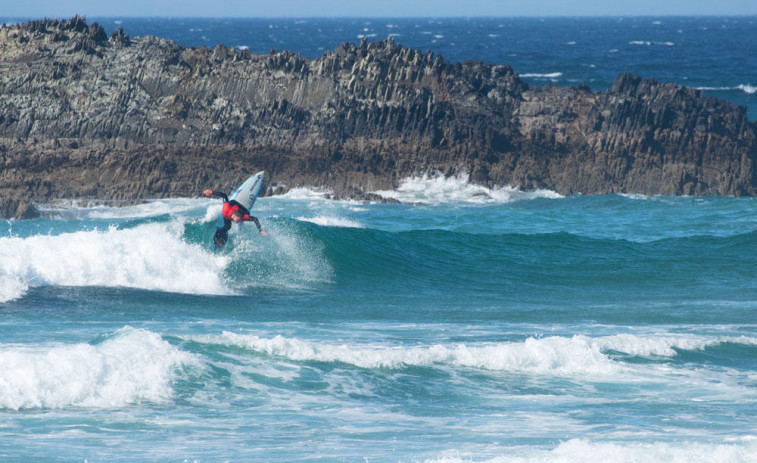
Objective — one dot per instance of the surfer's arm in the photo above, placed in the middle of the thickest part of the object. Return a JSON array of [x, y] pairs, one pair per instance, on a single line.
[[216, 193], [253, 219]]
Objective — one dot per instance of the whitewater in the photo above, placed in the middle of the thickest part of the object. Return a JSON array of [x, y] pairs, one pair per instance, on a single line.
[[458, 323]]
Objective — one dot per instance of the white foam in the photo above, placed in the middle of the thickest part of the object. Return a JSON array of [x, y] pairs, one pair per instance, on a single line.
[[307, 193], [553, 355], [12, 287], [746, 88], [441, 190], [582, 450], [129, 367], [151, 256], [549, 75], [329, 221], [649, 43], [72, 209], [212, 213], [664, 345]]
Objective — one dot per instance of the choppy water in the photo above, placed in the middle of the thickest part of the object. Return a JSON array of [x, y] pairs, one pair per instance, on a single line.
[[465, 325]]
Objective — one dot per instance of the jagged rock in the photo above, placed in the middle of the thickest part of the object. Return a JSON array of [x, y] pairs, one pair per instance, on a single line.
[[87, 116]]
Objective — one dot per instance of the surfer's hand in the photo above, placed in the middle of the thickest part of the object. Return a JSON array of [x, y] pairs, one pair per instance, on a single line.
[[207, 192], [263, 233]]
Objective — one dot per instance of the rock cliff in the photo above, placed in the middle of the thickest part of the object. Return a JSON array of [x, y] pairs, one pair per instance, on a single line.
[[87, 116]]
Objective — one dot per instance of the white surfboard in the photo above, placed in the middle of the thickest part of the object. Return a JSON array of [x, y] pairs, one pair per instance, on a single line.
[[247, 193]]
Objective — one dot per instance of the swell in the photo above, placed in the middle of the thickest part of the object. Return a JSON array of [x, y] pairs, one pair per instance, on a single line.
[[161, 254], [444, 260], [559, 355]]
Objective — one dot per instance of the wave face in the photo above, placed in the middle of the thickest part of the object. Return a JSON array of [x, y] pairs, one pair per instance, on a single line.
[[480, 248], [459, 323]]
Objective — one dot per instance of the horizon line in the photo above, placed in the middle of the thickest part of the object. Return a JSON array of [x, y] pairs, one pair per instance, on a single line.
[[576, 16]]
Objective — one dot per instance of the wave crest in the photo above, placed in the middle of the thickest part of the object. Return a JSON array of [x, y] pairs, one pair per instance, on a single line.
[[128, 367], [554, 355], [151, 256]]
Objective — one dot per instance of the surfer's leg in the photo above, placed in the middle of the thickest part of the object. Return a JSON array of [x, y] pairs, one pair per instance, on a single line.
[[220, 237]]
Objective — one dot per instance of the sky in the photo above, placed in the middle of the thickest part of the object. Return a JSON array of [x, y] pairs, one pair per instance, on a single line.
[[370, 8]]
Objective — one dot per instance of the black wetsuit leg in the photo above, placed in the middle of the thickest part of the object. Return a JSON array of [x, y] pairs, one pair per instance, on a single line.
[[222, 233]]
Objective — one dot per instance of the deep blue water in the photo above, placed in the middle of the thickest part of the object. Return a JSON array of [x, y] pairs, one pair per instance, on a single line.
[[460, 325]]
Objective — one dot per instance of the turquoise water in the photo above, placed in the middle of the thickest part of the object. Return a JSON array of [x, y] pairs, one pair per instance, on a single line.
[[463, 324]]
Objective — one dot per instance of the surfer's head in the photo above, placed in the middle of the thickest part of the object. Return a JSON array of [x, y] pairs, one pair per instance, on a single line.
[[236, 217]]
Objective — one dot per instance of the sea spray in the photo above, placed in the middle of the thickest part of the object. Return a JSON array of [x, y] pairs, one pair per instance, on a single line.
[[438, 189]]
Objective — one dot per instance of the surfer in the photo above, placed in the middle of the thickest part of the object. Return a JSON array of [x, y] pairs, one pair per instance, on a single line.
[[232, 212]]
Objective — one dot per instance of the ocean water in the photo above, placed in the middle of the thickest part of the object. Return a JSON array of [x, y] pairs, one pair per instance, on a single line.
[[460, 324]]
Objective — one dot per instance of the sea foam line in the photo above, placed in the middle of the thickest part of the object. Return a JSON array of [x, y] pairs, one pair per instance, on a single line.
[[582, 450], [746, 88], [548, 75], [438, 189], [329, 221], [665, 345], [80, 209], [550, 355], [128, 367], [553, 355]]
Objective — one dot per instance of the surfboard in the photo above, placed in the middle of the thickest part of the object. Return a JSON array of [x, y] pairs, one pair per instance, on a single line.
[[246, 195]]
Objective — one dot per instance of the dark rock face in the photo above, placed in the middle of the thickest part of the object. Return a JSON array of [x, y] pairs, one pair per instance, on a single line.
[[87, 116]]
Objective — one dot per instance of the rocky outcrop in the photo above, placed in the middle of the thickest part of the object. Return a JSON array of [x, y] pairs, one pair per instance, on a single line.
[[84, 115]]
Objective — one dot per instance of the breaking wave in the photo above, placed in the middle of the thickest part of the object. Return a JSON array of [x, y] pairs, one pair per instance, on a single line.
[[458, 189], [151, 256], [127, 367]]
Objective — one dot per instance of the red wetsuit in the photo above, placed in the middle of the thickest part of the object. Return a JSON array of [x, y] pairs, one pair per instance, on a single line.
[[229, 207]]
